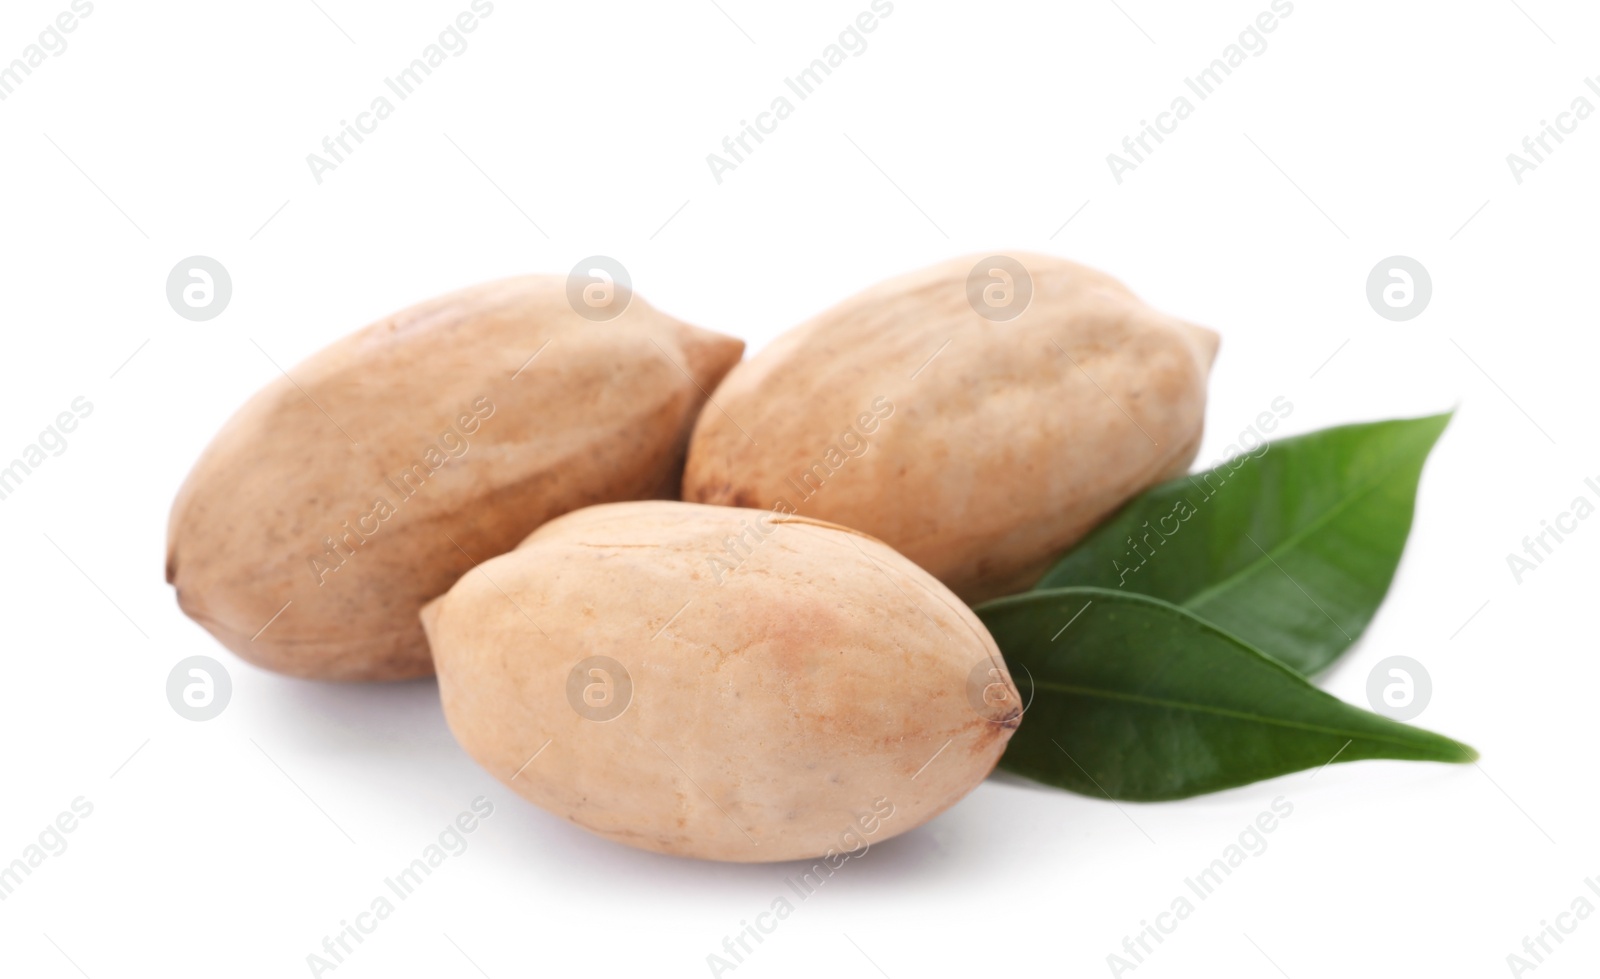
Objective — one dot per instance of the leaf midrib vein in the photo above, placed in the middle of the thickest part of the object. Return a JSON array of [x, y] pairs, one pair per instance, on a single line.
[[1222, 712], [1277, 550]]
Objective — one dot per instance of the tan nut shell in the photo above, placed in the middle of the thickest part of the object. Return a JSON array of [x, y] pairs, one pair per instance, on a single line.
[[771, 715], [1007, 442], [602, 413]]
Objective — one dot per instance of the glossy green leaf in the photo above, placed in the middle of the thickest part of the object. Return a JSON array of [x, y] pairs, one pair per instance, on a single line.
[[1290, 548], [1135, 698]]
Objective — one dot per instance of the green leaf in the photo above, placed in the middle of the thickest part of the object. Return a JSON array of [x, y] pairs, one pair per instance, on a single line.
[[1135, 698], [1291, 548]]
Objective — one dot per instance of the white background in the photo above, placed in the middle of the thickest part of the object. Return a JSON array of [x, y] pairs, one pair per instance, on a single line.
[[1364, 130]]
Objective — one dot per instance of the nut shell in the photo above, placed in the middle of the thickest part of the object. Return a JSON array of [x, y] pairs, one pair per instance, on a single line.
[[980, 448], [473, 418], [803, 692]]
